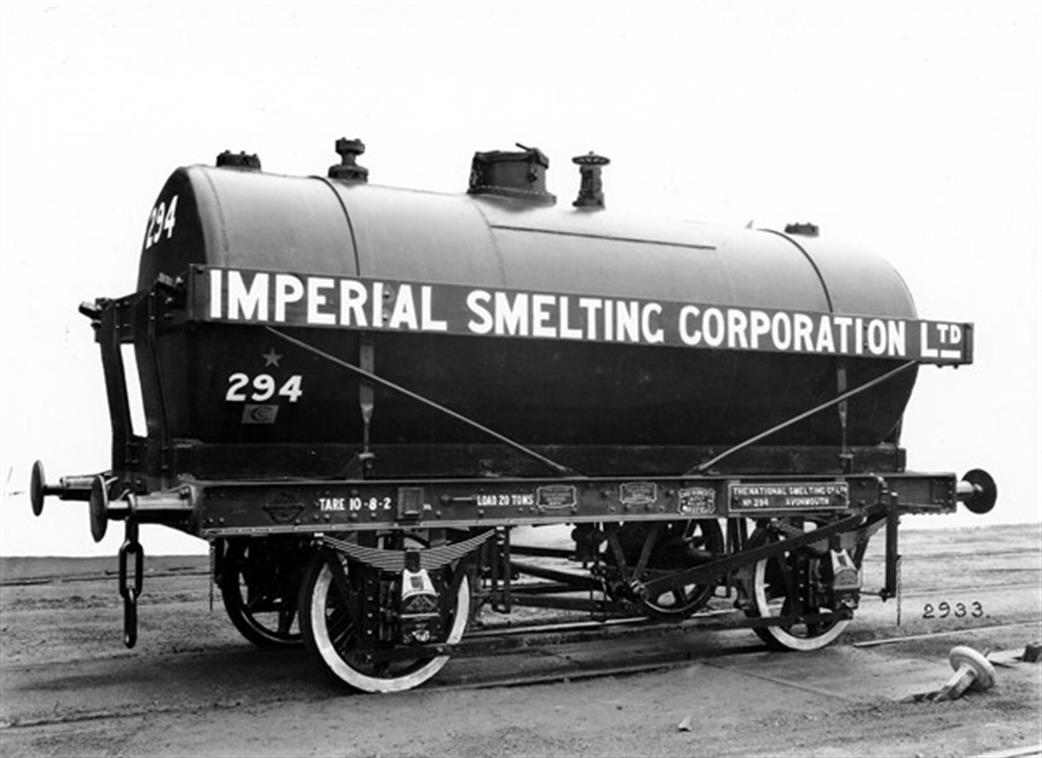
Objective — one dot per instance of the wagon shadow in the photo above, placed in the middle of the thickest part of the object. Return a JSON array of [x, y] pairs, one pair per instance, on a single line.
[[137, 683]]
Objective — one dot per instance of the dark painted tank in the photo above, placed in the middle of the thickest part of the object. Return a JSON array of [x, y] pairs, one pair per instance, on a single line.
[[539, 392]]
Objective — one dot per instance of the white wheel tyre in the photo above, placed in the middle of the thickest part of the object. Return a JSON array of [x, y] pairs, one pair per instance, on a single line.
[[413, 674], [812, 639]]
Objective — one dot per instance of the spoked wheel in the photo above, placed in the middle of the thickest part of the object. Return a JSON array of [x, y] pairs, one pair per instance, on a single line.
[[792, 583], [333, 628], [260, 589], [701, 539]]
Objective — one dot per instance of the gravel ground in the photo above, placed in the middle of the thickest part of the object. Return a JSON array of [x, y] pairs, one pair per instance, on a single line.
[[193, 687]]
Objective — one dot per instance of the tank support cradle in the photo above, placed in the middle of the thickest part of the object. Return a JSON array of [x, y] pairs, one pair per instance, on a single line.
[[130, 586]]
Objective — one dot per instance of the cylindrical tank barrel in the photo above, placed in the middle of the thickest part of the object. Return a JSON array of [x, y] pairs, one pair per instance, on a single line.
[[539, 392]]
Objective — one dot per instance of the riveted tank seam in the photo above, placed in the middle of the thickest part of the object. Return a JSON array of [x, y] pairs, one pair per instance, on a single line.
[[821, 279], [489, 226], [347, 219], [222, 226], [726, 271], [817, 272], [810, 260]]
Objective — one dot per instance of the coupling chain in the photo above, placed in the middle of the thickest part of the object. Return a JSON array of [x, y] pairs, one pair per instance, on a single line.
[[130, 586]]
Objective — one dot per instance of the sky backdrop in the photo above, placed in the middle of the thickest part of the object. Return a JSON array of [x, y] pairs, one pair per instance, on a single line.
[[914, 129]]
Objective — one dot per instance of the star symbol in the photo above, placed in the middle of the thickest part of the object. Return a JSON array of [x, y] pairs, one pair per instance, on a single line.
[[271, 358]]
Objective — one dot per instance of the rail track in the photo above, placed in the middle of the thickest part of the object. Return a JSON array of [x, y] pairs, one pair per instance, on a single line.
[[192, 571], [567, 651]]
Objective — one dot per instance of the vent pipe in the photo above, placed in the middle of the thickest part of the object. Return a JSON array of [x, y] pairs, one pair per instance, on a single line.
[[348, 169], [591, 192]]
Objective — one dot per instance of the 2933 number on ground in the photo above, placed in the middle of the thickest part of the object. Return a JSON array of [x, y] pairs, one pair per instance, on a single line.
[[944, 609]]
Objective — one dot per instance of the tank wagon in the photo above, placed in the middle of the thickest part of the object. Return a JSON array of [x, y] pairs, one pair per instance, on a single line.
[[356, 393]]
